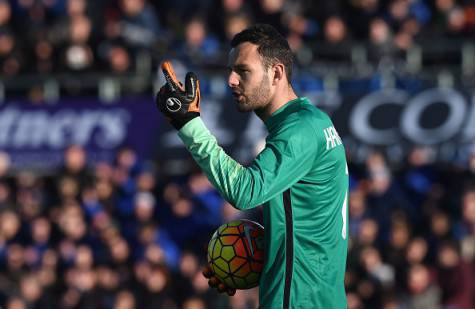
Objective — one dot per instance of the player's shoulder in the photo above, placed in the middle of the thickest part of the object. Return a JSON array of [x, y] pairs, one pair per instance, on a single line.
[[307, 114]]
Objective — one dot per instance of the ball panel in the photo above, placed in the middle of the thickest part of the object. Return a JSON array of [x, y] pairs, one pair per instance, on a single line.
[[236, 263], [252, 279], [216, 249], [240, 283], [234, 223], [240, 248], [229, 239], [222, 264], [227, 253], [221, 274], [256, 267], [243, 271], [230, 230]]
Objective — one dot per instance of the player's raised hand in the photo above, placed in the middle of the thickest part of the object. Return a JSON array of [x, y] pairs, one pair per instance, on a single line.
[[214, 282], [179, 103]]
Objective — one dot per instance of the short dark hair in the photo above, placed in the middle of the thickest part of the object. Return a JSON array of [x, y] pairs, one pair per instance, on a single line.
[[272, 46]]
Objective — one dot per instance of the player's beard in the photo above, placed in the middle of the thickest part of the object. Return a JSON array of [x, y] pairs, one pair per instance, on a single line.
[[256, 98]]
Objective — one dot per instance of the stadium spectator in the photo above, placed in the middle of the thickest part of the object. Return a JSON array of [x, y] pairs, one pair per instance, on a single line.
[[199, 46], [137, 25]]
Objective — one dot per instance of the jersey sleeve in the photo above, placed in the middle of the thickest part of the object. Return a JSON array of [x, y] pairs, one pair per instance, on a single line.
[[288, 156]]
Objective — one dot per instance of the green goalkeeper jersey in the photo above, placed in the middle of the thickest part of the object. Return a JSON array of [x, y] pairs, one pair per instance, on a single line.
[[301, 178]]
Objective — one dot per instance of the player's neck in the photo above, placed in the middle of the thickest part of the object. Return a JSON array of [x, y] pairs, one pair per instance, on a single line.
[[279, 99]]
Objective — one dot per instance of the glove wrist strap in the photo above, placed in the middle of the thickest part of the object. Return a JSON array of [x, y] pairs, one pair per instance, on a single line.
[[179, 122]]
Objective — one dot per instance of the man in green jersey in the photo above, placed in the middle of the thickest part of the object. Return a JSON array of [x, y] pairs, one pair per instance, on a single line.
[[301, 176]]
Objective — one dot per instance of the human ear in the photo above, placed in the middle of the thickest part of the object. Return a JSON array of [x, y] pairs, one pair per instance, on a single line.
[[278, 72]]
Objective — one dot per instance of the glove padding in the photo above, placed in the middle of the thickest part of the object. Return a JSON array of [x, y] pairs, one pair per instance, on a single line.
[[179, 104]]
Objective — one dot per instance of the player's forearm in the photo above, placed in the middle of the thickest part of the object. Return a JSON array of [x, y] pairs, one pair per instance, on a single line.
[[231, 179]]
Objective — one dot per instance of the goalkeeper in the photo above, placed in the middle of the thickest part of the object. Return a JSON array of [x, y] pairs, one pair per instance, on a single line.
[[300, 177]]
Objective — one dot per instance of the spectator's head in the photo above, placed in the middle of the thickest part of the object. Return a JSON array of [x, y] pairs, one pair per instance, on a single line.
[[399, 10], [15, 257], [370, 259], [4, 163], [84, 258], [125, 300], [400, 235], [335, 29], [444, 5], [366, 5], [468, 206], [188, 264], [75, 159], [81, 280], [467, 250], [357, 203], [232, 6], [157, 279], [71, 222], [80, 29], [104, 190], [31, 289], [132, 8], [68, 187], [456, 20], [5, 193], [420, 156], [195, 32], [379, 32], [147, 233], [194, 303], [172, 193], [236, 23], [354, 301], [9, 224], [119, 59], [182, 208], [50, 259], [41, 230], [145, 181], [416, 251], [418, 279], [119, 250], [368, 232], [144, 206], [440, 224], [107, 278], [16, 302], [47, 277], [5, 12], [448, 256], [154, 254], [7, 43], [126, 158], [76, 7], [272, 6]]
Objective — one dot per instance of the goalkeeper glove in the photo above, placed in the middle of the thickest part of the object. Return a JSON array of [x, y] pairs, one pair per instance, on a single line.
[[179, 104]]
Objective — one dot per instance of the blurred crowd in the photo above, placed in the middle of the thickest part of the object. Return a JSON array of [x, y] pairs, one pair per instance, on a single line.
[[56, 36], [126, 235]]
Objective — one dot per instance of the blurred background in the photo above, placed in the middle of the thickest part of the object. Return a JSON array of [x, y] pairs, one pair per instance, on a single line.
[[101, 206]]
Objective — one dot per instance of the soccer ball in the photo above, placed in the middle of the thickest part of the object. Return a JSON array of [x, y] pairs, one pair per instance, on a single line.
[[236, 253]]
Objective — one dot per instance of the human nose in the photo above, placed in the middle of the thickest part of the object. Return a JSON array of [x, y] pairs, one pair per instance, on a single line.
[[233, 80]]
